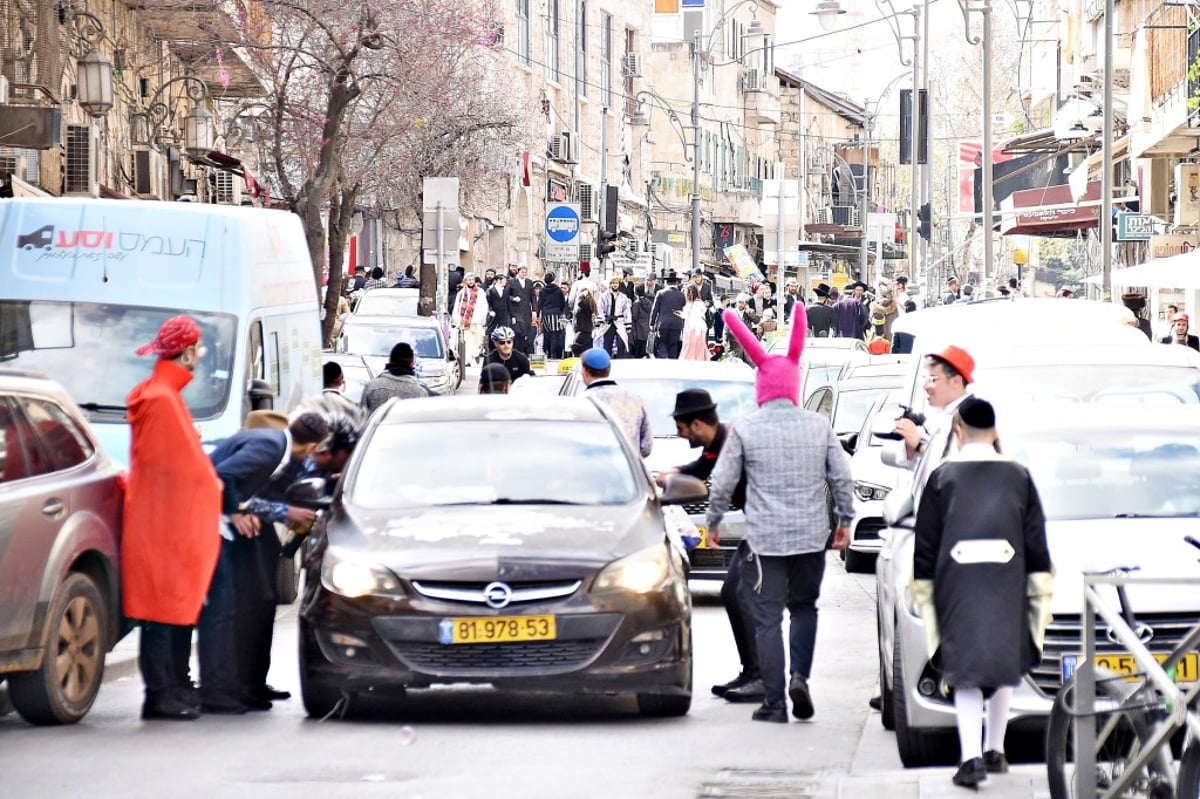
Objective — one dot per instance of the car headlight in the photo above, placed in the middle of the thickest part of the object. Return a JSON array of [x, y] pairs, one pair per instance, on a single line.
[[869, 491], [640, 572], [355, 578]]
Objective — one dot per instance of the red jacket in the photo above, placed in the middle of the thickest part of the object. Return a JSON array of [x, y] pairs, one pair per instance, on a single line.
[[170, 538]]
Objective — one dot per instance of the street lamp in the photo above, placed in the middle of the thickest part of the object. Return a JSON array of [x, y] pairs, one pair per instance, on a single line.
[[93, 71], [199, 128], [827, 13], [890, 14], [869, 125], [984, 9]]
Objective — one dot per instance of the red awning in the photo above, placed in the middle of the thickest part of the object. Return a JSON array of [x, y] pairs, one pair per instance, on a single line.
[[1049, 211]]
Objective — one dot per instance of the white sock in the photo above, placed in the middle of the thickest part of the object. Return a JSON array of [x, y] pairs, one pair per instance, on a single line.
[[997, 718], [968, 707]]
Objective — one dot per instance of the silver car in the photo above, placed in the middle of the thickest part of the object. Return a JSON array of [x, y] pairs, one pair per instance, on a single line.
[[374, 336], [60, 515]]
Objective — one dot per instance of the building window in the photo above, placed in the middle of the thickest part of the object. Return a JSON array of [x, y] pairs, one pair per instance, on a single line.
[[606, 55], [552, 23], [630, 89], [523, 31], [582, 70]]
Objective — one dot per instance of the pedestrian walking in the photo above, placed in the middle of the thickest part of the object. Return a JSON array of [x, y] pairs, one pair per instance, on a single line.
[[851, 312], [552, 310], [169, 542], [1179, 333], [583, 322], [695, 327], [616, 317], [499, 309], [409, 279], [470, 314], [595, 366], [494, 379], [696, 422], [952, 291], [643, 304], [982, 579], [788, 456], [399, 379], [521, 307], [666, 319], [376, 281]]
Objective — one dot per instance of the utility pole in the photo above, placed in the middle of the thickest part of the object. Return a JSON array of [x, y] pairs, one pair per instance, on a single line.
[[801, 192], [863, 200], [696, 151], [602, 211], [914, 236], [927, 174]]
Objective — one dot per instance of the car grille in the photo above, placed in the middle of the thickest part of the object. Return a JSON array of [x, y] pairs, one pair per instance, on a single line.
[[473, 592], [1063, 637], [476, 659], [711, 558], [701, 507]]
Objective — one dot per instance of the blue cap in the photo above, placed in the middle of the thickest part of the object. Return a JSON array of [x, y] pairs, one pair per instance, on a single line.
[[596, 359]]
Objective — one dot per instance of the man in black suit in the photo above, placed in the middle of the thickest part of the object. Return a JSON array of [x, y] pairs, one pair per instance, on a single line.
[[626, 286], [520, 303], [822, 321], [239, 614], [666, 318], [499, 312], [1179, 333]]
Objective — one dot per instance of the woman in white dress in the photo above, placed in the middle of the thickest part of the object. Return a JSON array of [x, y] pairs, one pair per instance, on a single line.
[[695, 327]]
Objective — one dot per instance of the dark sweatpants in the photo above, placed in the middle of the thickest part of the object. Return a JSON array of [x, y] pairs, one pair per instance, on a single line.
[[736, 608]]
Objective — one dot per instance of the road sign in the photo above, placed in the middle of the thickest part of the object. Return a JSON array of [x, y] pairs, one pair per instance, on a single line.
[[562, 232], [1135, 227]]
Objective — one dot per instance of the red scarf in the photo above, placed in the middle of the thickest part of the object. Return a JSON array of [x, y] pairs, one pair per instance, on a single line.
[[468, 305]]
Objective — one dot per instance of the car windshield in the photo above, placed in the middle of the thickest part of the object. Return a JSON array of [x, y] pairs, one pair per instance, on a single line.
[[817, 375], [376, 303], [1090, 475], [1123, 384], [486, 462], [734, 398], [378, 339], [357, 378], [853, 405], [91, 349]]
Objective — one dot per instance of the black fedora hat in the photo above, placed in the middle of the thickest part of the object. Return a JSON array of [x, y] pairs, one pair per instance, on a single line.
[[672, 276], [691, 401], [822, 290]]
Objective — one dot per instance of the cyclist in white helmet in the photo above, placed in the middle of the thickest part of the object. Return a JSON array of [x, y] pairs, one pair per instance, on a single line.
[[505, 354]]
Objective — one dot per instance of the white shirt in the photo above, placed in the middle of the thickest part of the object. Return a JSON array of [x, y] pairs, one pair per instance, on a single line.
[[939, 445]]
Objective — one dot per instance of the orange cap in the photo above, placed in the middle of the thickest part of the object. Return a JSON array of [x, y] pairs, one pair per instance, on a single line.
[[957, 357]]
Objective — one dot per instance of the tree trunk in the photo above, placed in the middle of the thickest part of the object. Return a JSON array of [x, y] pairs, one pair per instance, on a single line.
[[341, 214]]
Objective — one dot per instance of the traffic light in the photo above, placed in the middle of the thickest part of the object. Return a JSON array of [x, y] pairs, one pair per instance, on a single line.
[[924, 223], [607, 244]]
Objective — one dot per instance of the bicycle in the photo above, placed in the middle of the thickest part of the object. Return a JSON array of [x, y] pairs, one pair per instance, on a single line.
[[1139, 716]]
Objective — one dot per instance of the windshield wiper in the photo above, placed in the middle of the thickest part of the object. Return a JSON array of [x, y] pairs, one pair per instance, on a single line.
[[530, 501], [100, 406], [1166, 515]]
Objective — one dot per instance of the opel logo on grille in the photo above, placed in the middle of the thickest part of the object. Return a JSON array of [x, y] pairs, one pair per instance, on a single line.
[[1144, 632], [497, 595]]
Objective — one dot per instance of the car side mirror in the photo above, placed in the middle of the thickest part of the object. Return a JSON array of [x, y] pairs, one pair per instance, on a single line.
[[262, 397], [898, 509], [681, 489], [849, 442], [311, 493], [450, 356]]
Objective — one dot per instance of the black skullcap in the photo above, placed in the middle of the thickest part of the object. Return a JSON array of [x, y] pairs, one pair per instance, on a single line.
[[332, 373], [309, 428], [402, 354], [977, 413]]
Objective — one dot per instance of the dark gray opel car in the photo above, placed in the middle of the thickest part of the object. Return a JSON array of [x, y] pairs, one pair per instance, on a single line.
[[489, 539], [60, 515]]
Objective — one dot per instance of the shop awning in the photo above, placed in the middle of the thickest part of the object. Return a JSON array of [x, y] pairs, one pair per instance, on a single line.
[[1177, 272], [1049, 211]]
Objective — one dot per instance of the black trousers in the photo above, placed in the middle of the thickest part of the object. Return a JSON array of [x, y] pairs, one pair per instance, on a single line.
[[670, 343], [255, 561], [163, 654], [219, 675], [739, 620]]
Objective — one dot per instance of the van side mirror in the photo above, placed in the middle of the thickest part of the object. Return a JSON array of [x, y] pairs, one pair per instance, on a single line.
[[311, 493], [682, 489], [262, 397]]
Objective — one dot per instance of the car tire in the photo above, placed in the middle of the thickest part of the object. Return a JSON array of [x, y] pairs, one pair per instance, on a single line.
[[859, 562], [917, 747], [64, 688], [887, 711], [287, 580], [320, 700]]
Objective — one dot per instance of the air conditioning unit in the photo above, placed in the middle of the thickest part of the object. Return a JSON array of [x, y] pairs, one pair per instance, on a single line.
[[562, 148], [1187, 194], [81, 170], [631, 65], [148, 174], [587, 202], [585, 253], [752, 81], [3, 90], [227, 188]]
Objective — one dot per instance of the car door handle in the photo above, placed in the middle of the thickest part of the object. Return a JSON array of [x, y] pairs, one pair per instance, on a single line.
[[53, 508]]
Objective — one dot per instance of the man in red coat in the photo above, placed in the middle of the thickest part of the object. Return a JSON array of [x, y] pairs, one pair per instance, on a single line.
[[171, 536]]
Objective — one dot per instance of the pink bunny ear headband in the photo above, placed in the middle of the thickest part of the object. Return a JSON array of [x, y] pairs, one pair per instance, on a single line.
[[778, 375]]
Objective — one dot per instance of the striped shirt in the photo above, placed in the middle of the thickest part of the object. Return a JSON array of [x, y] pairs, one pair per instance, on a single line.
[[789, 455]]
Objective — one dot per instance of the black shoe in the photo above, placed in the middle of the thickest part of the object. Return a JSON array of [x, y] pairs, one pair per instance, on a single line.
[[169, 708], [272, 694], [737, 682], [995, 762], [753, 691], [220, 704], [970, 773], [802, 706], [255, 702], [876, 703], [775, 713]]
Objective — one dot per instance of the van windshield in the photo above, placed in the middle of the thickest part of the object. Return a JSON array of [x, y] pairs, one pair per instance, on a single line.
[[91, 349]]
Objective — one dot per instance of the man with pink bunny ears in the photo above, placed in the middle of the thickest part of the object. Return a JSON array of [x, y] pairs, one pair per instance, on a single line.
[[788, 456]]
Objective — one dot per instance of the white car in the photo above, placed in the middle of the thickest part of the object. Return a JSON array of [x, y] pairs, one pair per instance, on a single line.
[[657, 381], [873, 481], [374, 336], [824, 360], [389, 302]]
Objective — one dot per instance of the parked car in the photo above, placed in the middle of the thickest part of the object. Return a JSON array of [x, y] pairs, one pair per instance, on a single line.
[[873, 481], [373, 337], [1117, 489], [388, 302], [824, 360], [60, 516], [354, 369], [523, 546], [657, 381], [847, 402]]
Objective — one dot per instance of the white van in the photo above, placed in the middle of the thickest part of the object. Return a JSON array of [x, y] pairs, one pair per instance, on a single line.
[[84, 283]]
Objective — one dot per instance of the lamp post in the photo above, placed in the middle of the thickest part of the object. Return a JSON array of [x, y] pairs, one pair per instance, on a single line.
[[869, 116], [984, 9], [892, 16], [199, 129], [93, 71]]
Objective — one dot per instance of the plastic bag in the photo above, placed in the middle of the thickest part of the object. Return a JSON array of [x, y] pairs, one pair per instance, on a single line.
[[680, 527]]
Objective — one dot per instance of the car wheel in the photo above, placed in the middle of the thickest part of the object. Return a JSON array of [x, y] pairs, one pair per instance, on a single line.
[[859, 562], [64, 688], [319, 698], [887, 712], [917, 747], [287, 581], [5, 703]]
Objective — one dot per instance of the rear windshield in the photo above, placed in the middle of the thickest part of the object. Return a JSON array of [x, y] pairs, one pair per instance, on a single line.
[[378, 340]]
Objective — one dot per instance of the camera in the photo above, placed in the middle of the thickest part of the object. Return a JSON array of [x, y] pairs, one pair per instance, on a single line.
[[916, 417]]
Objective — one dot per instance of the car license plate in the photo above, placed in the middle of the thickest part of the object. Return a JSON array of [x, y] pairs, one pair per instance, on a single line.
[[496, 629], [703, 531], [1186, 670]]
